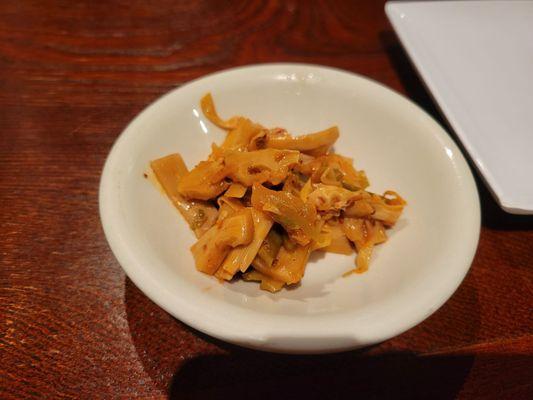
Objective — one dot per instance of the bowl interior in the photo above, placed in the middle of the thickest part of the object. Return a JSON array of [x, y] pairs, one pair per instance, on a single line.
[[399, 147]]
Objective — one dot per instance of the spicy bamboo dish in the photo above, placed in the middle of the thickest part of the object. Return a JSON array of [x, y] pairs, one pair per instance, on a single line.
[[264, 200]]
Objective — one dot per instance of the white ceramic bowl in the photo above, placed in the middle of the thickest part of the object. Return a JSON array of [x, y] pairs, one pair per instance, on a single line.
[[395, 142]]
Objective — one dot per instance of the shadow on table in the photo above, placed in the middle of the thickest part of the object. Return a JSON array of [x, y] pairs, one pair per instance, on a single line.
[[493, 216], [245, 374]]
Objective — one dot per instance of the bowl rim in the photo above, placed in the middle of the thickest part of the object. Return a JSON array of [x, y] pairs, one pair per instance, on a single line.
[[188, 313]]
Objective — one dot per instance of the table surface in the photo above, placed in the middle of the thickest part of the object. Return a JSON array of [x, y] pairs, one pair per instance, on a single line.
[[72, 74]]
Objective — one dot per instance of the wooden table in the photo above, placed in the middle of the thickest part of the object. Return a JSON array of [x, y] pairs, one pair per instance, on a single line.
[[72, 74]]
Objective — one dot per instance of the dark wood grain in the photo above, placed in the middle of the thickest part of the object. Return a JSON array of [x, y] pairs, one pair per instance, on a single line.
[[72, 74]]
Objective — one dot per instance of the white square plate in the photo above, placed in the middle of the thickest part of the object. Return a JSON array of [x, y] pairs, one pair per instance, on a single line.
[[476, 58]]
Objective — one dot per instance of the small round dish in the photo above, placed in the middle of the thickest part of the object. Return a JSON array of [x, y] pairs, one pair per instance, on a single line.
[[400, 147]]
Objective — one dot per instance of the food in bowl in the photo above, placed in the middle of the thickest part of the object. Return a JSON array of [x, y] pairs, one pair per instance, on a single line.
[[264, 200]]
